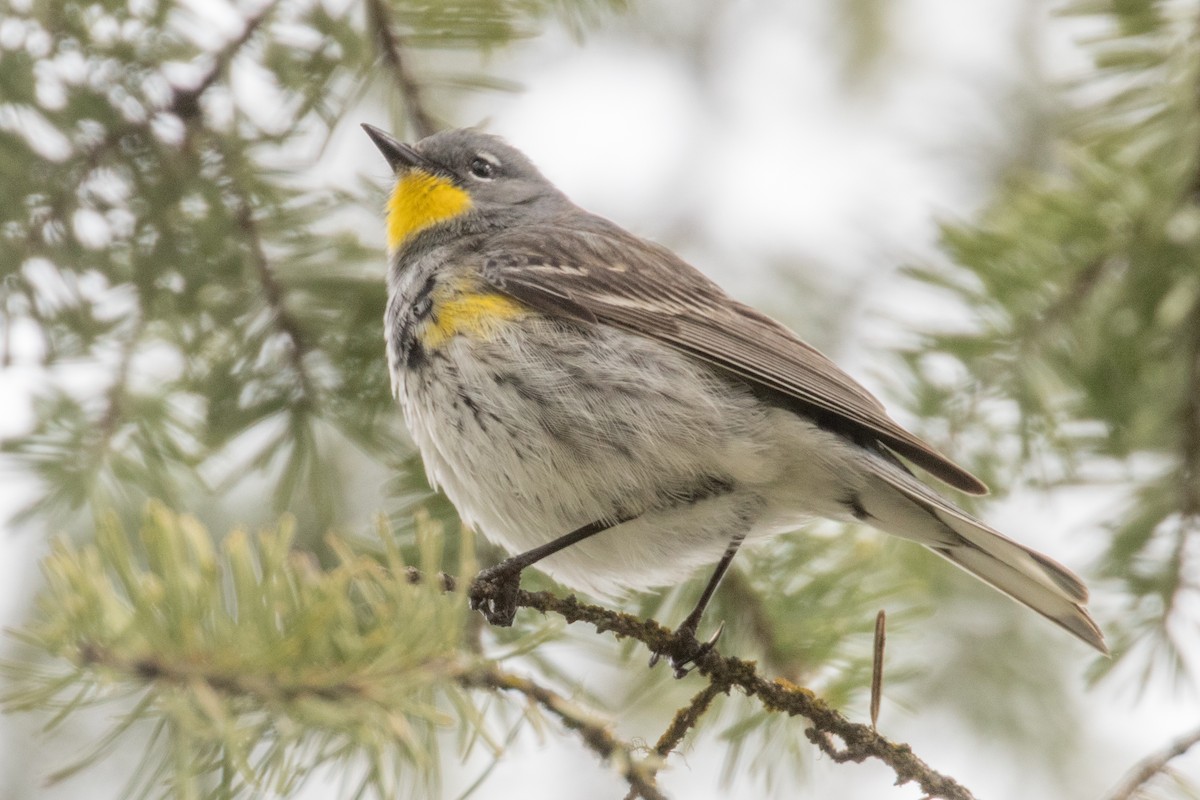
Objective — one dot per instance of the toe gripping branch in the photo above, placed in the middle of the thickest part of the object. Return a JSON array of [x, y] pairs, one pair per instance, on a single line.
[[494, 590], [686, 651], [494, 594]]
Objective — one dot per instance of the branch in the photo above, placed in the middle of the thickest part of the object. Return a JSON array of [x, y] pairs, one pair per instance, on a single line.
[[116, 396], [858, 742], [273, 293], [239, 635], [1190, 440], [637, 771], [1189, 471], [1154, 764], [1081, 287], [238, 683], [185, 103], [748, 602], [686, 718], [391, 47]]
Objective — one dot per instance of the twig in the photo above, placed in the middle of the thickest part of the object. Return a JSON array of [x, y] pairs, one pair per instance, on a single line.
[[877, 666], [391, 47], [1154, 764], [239, 683], [1189, 472], [185, 103], [1083, 284], [685, 719], [749, 602], [117, 394], [639, 772], [858, 742], [273, 293]]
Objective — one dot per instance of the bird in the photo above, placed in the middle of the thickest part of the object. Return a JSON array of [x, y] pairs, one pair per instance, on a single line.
[[595, 405]]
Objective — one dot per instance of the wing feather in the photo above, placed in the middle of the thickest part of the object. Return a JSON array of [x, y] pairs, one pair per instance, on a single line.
[[597, 272]]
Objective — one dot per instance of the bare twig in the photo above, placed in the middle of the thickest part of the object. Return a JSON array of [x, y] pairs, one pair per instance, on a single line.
[[1154, 764], [877, 665], [391, 48], [185, 103]]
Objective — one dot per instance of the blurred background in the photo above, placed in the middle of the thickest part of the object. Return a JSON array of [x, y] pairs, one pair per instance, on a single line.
[[986, 212]]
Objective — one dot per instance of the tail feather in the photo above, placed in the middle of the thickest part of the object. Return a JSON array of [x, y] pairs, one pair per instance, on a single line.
[[1029, 591], [901, 505]]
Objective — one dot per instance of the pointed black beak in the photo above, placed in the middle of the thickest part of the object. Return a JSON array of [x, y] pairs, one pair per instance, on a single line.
[[400, 155]]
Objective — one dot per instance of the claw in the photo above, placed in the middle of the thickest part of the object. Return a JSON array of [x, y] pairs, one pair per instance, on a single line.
[[493, 593], [687, 650], [712, 640]]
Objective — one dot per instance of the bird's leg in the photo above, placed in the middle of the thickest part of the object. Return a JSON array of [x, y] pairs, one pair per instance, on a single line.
[[494, 590], [686, 649]]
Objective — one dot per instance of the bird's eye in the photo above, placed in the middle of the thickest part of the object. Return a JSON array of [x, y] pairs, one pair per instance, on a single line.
[[483, 169]]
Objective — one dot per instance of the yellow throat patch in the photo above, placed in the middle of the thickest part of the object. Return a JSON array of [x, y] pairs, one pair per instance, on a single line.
[[419, 200]]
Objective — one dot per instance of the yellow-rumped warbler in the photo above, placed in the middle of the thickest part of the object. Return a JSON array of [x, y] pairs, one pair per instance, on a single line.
[[590, 401]]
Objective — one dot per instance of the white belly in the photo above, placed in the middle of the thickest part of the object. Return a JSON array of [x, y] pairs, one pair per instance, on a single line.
[[531, 438]]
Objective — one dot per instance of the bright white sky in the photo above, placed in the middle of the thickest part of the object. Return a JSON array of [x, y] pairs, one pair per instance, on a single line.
[[778, 162]]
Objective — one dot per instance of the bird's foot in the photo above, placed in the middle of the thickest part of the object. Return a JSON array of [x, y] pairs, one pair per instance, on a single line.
[[493, 593], [685, 650]]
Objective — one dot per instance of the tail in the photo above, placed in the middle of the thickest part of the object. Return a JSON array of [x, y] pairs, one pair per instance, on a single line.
[[896, 502]]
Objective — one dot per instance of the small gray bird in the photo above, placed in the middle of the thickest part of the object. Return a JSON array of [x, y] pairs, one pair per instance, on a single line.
[[591, 402]]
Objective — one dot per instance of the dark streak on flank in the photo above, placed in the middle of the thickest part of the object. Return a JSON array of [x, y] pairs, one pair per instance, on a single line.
[[854, 504]]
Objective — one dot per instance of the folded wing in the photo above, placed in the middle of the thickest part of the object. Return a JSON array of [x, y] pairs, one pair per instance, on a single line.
[[600, 273]]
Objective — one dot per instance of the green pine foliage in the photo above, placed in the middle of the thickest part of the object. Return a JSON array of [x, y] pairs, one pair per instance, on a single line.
[[254, 666], [205, 301], [1083, 278], [165, 227]]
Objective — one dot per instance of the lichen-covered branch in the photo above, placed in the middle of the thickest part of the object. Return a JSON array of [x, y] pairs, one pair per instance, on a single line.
[[838, 737], [638, 771], [686, 718]]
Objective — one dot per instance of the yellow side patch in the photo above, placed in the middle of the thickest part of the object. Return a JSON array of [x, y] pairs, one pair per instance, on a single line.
[[475, 315], [419, 200]]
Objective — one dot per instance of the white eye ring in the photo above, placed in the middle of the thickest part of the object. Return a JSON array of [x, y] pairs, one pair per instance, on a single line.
[[482, 168]]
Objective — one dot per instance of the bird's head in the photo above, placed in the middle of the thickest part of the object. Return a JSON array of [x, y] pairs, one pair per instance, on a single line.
[[458, 174]]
